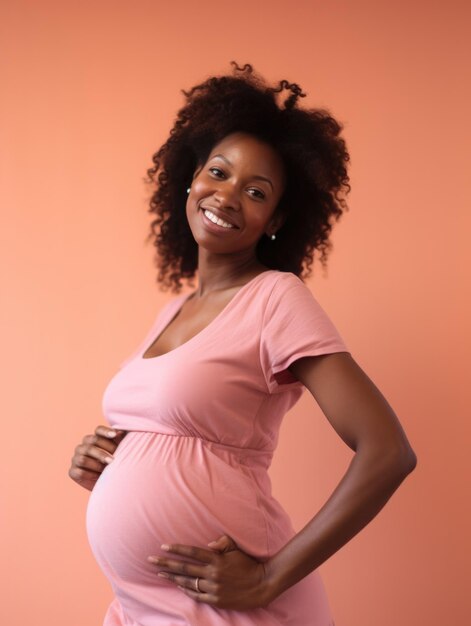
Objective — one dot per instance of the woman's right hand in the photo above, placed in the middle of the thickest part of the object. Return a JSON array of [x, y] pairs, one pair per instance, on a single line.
[[93, 455]]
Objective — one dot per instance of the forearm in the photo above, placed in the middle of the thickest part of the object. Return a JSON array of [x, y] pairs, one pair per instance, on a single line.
[[363, 491]]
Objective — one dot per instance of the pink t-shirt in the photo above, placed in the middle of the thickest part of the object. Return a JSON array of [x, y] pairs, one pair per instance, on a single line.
[[203, 421]]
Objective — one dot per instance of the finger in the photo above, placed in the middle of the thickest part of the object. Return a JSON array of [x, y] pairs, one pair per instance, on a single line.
[[175, 566], [88, 462], [90, 465], [207, 598], [84, 478], [110, 434], [223, 544], [108, 445], [218, 544], [76, 473], [198, 554], [204, 586], [85, 451], [106, 431]]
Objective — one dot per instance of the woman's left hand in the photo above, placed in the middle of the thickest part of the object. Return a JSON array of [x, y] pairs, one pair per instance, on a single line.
[[228, 578]]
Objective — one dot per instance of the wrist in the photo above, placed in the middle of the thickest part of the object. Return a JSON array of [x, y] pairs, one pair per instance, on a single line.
[[271, 587]]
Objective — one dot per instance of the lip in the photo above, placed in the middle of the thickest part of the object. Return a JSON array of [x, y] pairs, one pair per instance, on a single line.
[[221, 215], [214, 228]]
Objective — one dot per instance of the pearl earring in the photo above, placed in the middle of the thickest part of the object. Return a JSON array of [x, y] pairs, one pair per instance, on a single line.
[[273, 237], [188, 190]]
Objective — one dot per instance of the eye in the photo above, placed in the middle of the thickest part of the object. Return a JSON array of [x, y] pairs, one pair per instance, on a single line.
[[258, 194], [211, 169], [261, 196]]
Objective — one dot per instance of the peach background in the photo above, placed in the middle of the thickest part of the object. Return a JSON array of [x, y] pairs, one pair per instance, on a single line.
[[89, 93]]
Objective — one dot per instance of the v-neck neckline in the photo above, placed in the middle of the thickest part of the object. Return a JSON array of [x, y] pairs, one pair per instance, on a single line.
[[231, 302]]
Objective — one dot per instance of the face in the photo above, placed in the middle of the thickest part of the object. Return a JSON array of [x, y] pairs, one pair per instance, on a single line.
[[241, 183]]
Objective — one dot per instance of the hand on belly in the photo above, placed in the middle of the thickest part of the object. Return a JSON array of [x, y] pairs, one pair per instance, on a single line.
[[224, 577], [168, 489]]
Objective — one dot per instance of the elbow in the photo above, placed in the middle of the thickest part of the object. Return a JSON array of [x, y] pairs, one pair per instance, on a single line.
[[403, 460], [411, 461], [395, 461]]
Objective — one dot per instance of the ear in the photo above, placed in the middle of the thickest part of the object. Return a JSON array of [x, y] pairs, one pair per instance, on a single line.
[[276, 222]]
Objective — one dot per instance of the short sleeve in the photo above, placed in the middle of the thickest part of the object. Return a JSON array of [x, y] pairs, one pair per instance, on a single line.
[[294, 326]]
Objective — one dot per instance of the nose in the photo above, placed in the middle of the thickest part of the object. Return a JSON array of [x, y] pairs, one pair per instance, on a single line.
[[227, 196]]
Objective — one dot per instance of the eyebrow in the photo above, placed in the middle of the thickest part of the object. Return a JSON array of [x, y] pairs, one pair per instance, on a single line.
[[256, 176]]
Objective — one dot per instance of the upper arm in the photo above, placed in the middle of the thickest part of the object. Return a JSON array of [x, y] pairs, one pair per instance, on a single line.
[[353, 404]]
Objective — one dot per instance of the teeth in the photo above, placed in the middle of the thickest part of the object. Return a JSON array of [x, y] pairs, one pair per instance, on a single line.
[[217, 220]]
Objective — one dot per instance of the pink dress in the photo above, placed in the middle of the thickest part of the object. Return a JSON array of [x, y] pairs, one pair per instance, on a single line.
[[203, 421]]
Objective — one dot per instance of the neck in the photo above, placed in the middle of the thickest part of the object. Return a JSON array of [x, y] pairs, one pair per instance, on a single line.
[[218, 272]]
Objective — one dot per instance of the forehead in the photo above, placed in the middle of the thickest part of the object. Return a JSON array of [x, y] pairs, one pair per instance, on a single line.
[[240, 141], [243, 149]]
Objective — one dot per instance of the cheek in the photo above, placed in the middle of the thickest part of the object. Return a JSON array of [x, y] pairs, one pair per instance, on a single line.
[[258, 222], [261, 219], [195, 195], [200, 186]]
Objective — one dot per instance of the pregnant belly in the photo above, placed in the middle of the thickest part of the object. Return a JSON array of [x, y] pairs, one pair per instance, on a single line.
[[169, 489]]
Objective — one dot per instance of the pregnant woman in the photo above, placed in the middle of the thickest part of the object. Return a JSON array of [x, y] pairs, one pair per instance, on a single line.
[[181, 518]]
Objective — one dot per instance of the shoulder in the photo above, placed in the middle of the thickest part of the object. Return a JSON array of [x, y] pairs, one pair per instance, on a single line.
[[286, 289], [277, 282], [292, 308]]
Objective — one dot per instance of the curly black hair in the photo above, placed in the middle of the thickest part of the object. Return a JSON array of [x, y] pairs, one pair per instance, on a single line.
[[314, 156]]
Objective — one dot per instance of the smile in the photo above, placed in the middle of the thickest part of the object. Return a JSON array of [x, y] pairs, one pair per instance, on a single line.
[[217, 220]]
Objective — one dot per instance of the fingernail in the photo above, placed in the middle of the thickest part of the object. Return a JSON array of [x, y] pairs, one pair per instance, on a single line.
[[163, 575], [111, 433], [108, 459], [165, 546]]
